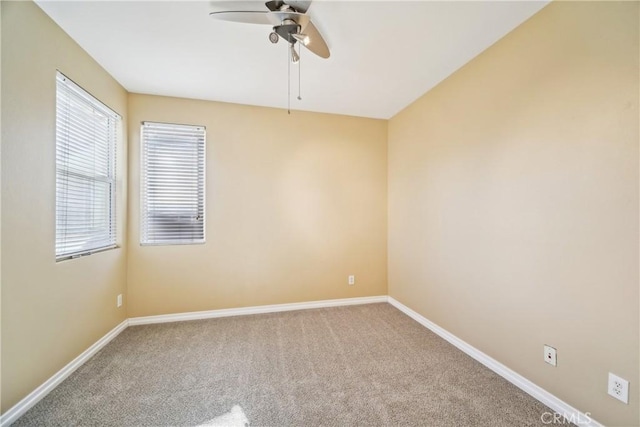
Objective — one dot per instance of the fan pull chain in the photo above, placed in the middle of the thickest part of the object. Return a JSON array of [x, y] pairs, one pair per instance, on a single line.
[[289, 81], [299, 70]]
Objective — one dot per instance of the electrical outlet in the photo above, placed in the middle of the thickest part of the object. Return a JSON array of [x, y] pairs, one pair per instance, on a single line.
[[618, 388], [119, 301], [550, 355], [352, 280]]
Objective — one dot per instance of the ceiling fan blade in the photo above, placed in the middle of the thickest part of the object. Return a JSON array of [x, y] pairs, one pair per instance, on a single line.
[[277, 18], [244, 16], [316, 43]]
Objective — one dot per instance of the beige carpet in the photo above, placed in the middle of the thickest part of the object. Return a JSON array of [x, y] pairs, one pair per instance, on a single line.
[[367, 365]]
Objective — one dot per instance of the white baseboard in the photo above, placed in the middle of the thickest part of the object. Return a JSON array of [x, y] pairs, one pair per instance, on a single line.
[[243, 311], [36, 395], [557, 405]]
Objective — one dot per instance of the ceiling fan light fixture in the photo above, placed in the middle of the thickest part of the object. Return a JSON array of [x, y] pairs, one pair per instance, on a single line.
[[302, 38]]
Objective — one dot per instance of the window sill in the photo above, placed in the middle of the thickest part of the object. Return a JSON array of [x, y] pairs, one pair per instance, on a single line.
[[85, 254]]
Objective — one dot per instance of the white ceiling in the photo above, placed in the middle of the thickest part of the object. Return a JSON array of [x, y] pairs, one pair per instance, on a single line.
[[384, 54]]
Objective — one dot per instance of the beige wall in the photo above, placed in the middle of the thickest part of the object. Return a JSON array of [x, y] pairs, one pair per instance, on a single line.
[[51, 312], [513, 206], [513, 203], [294, 204]]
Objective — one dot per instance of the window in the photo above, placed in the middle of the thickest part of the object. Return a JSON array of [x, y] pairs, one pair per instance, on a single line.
[[173, 172], [86, 134]]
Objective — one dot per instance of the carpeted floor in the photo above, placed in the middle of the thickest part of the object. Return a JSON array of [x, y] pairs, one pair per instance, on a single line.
[[367, 365]]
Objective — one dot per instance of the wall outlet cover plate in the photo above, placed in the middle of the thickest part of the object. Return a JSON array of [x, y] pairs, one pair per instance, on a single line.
[[618, 388]]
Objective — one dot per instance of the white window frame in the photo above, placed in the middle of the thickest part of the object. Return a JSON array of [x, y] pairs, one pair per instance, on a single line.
[[87, 137], [193, 135]]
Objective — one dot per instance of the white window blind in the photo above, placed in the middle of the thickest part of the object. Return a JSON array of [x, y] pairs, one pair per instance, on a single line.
[[86, 136], [173, 176]]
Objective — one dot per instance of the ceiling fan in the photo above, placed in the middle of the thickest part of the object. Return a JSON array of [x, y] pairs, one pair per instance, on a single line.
[[289, 20]]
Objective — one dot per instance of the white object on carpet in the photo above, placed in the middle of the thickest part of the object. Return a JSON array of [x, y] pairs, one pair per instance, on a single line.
[[234, 418]]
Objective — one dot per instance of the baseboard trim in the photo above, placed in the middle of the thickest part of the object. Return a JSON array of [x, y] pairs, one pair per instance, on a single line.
[[259, 309], [36, 395], [540, 394]]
